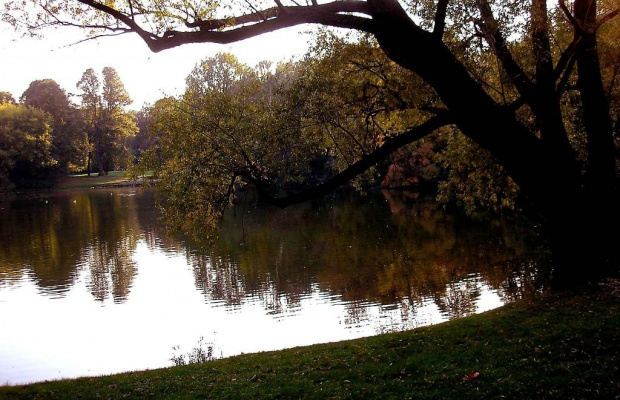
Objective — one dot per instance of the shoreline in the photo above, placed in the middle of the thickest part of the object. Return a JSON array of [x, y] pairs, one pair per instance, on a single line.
[[553, 346]]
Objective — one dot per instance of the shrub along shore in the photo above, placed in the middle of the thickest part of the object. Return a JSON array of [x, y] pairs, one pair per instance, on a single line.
[[555, 346]]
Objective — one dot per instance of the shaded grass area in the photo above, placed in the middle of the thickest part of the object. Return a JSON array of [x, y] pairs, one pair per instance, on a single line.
[[554, 347], [114, 178]]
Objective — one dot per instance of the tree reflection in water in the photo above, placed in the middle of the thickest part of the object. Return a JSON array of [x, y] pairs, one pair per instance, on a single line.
[[393, 249], [402, 256], [54, 237]]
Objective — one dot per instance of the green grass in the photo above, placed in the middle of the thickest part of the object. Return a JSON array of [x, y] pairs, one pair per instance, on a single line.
[[114, 178], [555, 347]]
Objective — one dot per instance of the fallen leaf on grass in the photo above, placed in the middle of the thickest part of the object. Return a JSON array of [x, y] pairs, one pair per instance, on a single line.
[[471, 376]]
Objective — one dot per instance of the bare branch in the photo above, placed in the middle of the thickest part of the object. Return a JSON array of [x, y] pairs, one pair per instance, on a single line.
[[95, 38], [146, 36], [570, 16], [494, 37], [607, 17]]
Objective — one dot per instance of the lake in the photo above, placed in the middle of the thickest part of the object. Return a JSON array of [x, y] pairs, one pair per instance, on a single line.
[[91, 283]]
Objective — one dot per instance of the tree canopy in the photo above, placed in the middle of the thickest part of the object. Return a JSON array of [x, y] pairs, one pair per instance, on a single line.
[[68, 139], [25, 143], [107, 123]]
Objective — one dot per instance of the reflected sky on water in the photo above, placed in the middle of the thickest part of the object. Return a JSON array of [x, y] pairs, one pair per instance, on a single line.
[[91, 283]]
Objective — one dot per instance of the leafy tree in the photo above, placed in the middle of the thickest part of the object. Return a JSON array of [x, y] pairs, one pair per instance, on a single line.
[[145, 138], [91, 109], [118, 124], [223, 130], [108, 123], [69, 139], [25, 143], [521, 122], [473, 178], [6, 97]]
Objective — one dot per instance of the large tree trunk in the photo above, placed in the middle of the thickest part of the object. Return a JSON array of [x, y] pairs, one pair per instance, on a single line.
[[600, 183]]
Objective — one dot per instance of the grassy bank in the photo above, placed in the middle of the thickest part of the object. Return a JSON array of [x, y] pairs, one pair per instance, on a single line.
[[114, 178], [553, 347], [81, 181]]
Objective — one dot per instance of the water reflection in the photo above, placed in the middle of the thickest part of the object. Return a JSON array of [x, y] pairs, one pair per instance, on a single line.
[[343, 267], [363, 251], [52, 238], [354, 247]]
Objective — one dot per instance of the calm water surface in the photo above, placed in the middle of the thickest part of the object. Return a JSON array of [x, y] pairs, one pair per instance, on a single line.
[[91, 284]]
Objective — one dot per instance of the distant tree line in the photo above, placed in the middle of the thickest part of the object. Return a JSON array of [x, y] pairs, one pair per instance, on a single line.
[[45, 135]]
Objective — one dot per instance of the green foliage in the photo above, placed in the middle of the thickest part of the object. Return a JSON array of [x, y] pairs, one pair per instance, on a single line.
[[68, 136], [280, 129], [473, 177], [222, 129], [145, 138], [6, 97], [376, 100], [108, 124], [25, 144]]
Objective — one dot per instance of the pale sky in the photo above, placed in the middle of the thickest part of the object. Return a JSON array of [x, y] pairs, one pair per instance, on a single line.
[[147, 76]]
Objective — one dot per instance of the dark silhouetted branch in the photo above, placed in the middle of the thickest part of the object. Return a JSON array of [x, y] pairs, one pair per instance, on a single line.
[[494, 37], [353, 170], [440, 18]]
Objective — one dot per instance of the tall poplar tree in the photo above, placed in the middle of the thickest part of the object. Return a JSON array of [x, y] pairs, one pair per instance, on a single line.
[[108, 123]]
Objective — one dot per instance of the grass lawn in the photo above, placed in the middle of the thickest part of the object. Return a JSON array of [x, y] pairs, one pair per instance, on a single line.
[[114, 178], [553, 347]]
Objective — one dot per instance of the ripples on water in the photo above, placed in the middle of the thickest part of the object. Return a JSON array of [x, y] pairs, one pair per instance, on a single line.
[[91, 284]]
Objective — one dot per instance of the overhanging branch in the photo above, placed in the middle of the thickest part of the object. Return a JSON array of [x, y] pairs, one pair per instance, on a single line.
[[353, 170], [351, 14], [295, 16], [125, 19]]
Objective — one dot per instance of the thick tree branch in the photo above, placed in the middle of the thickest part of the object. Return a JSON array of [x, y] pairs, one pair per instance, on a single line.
[[353, 170], [440, 18], [547, 102], [570, 16], [306, 15], [566, 58], [358, 7], [600, 175], [542, 47], [351, 14], [494, 37], [563, 83]]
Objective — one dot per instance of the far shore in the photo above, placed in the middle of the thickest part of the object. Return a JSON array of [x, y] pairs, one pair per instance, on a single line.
[[112, 179]]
